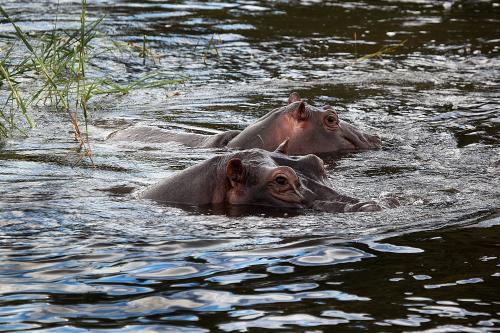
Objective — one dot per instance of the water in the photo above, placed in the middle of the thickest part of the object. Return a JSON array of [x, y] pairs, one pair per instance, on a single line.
[[78, 252]]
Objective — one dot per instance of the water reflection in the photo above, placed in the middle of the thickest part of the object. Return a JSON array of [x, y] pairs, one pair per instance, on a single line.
[[234, 293]]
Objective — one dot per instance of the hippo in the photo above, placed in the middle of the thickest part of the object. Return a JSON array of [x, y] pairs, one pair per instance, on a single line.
[[310, 130], [257, 177]]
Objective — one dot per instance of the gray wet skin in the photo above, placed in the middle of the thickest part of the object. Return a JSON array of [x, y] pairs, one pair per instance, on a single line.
[[257, 177], [309, 130]]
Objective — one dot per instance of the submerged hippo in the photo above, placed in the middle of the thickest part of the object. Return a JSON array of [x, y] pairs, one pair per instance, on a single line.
[[257, 177], [309, 130]]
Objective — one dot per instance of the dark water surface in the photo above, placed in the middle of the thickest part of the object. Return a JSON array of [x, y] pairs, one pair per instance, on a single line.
[[77, 252]]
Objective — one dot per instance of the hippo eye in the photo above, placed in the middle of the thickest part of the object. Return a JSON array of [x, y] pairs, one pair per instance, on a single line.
[[281, 180], [331, 119]]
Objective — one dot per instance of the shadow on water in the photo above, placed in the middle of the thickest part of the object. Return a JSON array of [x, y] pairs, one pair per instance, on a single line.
[[241, 211], [80, 252]]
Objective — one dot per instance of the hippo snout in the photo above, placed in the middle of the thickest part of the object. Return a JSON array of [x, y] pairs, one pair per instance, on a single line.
[[368, 141], [358, 139], [375, 141]]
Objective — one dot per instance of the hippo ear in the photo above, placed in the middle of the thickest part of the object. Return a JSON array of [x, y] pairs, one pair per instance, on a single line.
[[235, 171], [283, 147], [294, 97], [300, 113]]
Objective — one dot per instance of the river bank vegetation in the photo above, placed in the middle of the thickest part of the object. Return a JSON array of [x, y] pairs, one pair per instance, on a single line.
[[59, 70]]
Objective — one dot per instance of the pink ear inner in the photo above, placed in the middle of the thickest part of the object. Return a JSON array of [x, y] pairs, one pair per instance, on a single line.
[[301, 112], [235, 170]]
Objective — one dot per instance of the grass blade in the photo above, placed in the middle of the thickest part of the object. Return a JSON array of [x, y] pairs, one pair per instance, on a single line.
[[15, 93]]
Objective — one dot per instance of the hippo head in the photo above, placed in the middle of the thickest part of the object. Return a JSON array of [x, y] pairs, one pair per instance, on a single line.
[[261, 181], [310, 130], [258, 177]]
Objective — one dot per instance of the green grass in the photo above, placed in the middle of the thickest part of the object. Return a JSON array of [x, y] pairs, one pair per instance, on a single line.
[[57, 64]]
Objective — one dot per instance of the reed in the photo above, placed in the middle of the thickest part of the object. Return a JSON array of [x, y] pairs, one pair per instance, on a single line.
[[57, 64], [212, 48], [382, 51]]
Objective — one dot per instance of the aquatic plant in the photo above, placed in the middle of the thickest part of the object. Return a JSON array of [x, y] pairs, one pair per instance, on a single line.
[[56, 64], [211, 48], [378, 54]]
